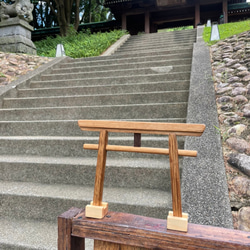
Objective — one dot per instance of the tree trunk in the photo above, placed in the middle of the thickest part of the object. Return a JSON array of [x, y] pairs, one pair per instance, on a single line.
[[64, 8], [89, 11], [77, 18]]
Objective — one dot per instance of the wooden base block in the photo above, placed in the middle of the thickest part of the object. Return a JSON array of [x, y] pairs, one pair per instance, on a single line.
[[97, 212], [177, 223]]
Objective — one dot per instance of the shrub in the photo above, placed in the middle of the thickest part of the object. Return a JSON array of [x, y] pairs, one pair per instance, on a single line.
[[77, 45]]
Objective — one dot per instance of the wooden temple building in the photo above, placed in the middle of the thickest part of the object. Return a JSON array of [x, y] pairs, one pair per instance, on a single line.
[[150, 15]]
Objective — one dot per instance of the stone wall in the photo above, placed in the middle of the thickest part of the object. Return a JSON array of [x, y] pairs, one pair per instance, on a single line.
[[231, 72]]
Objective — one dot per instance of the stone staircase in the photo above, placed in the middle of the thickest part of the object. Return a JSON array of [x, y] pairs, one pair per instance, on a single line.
[[44, 169]]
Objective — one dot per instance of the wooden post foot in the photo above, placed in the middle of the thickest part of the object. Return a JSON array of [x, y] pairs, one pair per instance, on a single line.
[[97, 212], [177, 223]]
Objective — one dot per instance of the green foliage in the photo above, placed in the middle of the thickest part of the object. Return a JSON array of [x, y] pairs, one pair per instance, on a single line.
[[226, 30], [77, 45]]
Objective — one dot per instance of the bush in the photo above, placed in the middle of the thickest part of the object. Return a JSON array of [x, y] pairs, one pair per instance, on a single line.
[[77, 45]]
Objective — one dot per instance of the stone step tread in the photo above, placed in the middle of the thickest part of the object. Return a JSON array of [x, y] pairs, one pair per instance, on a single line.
[[26, 234], [161, 44], [58, 122], [119, 62], [189, 32], [135, 56], [113, 95], [97, 95], [126, 140], [141, 65], [105, 88], [86, 161], [71, 146], [162, 35], [107, 112], [130, 196], [110, 78], [114, 57], [83, 138], [96, 100], [115, 81], [56, 128], [119, 72], [167, 33], [120, 171], [103, 60], [95, 107], [150, 52], [166, 38]]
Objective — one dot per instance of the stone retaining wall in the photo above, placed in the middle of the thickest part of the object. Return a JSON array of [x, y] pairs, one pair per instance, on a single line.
[[231, 73]]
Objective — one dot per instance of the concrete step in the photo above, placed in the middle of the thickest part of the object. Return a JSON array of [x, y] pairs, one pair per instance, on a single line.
[[27, 200], [177, 33], [104, 89], [159, 40], [122, 66], [132, 111], [96, 100], [56, 128], [172, 53], [65, 146], [20, 234], [158, 77], [24, 234], [110, 61], [113, 73], [150, 52], [162, 35], [126, 58], [156, 44], [163, 44], [122, 173]]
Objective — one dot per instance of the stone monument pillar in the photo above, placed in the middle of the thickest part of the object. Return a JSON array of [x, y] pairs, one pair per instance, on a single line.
[[15, 31]]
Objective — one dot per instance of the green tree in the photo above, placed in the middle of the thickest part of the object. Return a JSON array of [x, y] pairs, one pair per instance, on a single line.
[[64, 12], [94, 11], [43, 17], [49, 13]]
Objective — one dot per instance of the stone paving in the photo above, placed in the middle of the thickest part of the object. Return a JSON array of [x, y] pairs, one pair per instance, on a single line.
[[231, 69], [231, 72]]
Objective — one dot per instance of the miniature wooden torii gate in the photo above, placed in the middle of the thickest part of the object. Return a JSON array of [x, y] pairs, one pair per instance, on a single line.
[[98, 209], [121, 231]]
